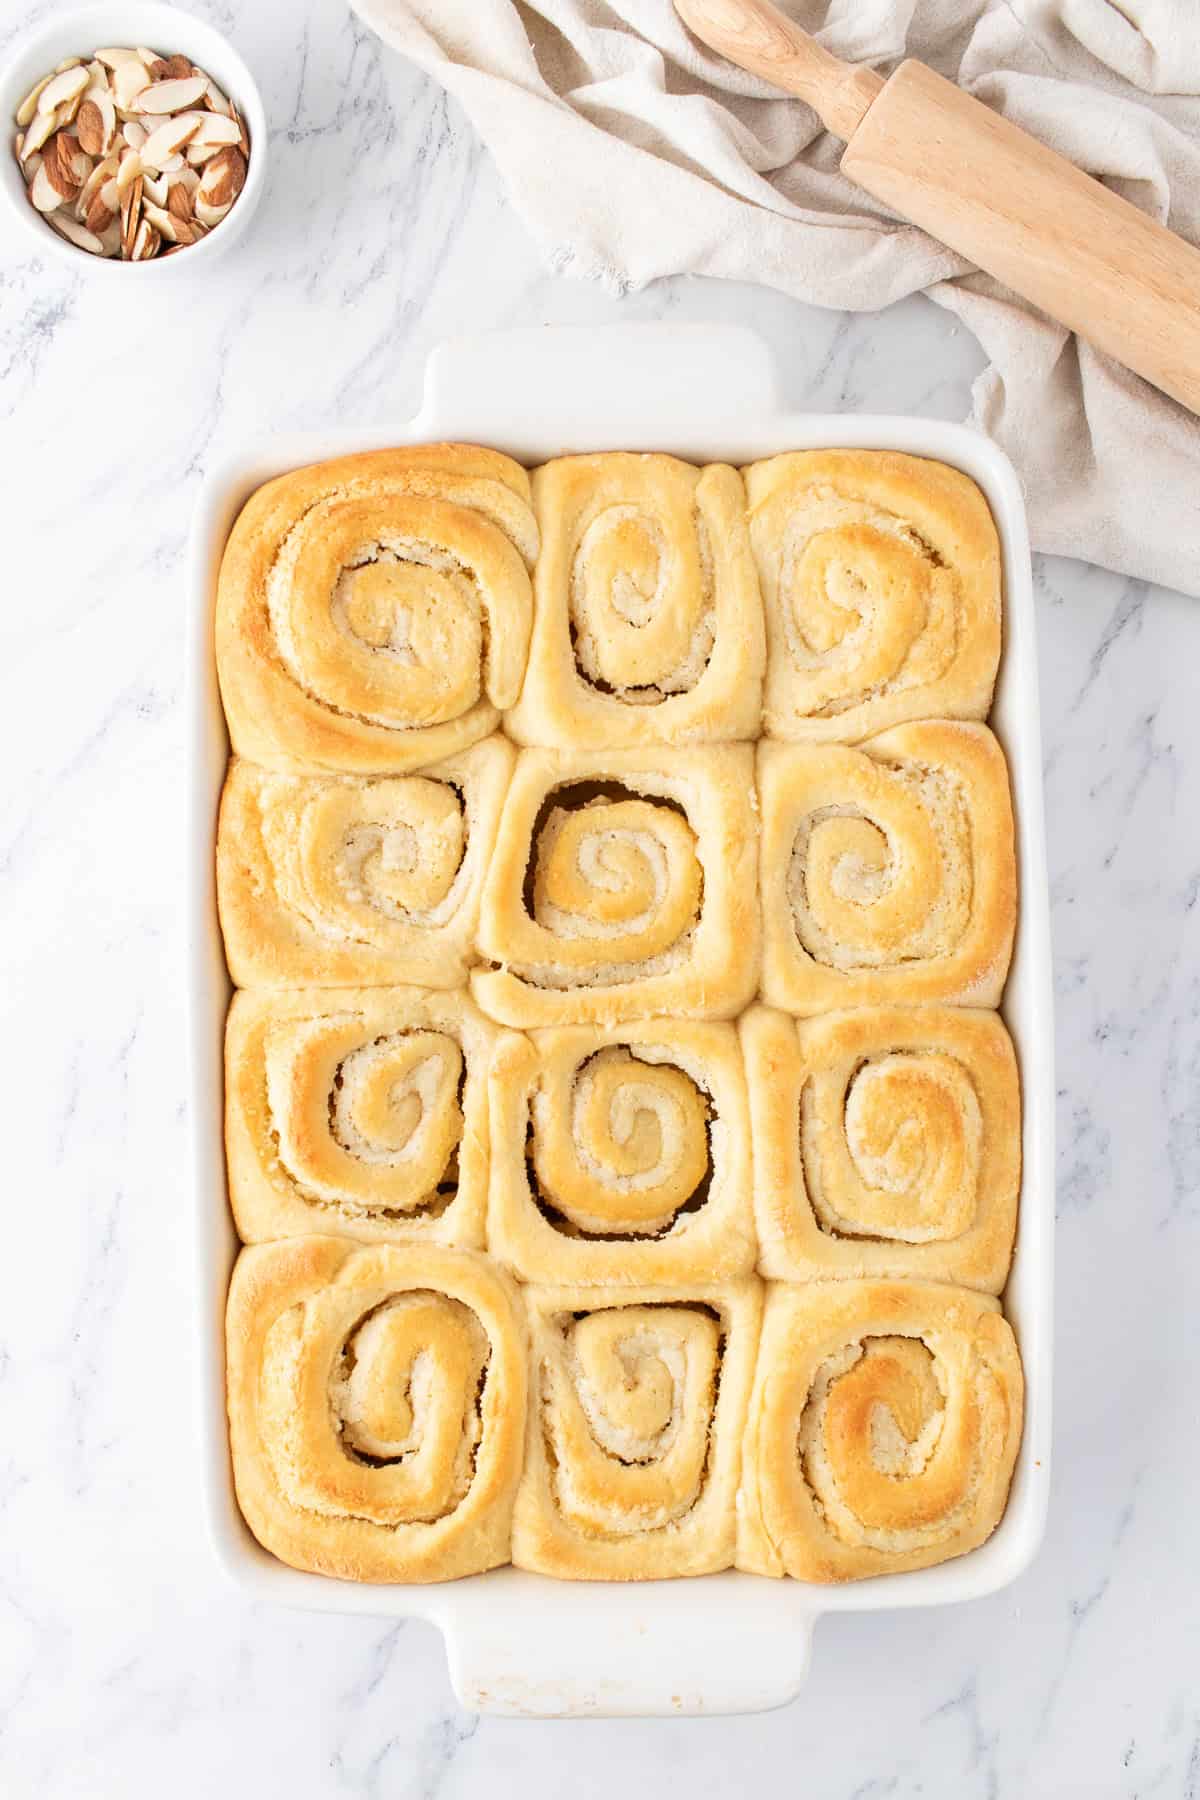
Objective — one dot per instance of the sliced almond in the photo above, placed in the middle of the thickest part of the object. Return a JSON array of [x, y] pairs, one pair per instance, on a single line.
[[148, 56], [73, 159], [154, 187], [111, 239], [195, 231], [75, 233], [170, 137], [129, 170], [113, 59], [172, 96], [134, 134], [129, 198], [215, 100], [90, 128], [99, 216], [176, 68], [70, 62], [42, 191], [215, 128], [173, 164], [199, 154], [100, 177], [97, 76], [62, 89], [57, 170], [40, 132], [28, 105], [208, 214], [32, 165], [129, 79], [223, 179], [162, 222], [131, 212], [97, 124], [179, 201], [110, 193], [146, 243]]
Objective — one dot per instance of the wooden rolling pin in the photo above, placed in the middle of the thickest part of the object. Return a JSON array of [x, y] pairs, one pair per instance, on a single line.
[[987, 189]]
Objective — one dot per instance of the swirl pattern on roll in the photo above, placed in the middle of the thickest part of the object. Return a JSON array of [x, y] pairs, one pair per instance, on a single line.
[[331, 879], [633, 1149], [637, 1411], [376, 1407], [647, 623], [621, 1154], [621, 870], [373, 613], [888, 871], [881, 582], [883, 1431], [887, 1141], [618, 886], [354, 1110], [905, 1164]]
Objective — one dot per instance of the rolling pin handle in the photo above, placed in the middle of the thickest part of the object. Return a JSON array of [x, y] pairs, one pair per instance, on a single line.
[[759, 38]]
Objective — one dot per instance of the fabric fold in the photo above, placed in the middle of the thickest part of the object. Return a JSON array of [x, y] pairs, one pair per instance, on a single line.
[[631, 154]]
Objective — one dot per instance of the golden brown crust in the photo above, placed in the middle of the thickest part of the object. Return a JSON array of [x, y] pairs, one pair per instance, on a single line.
[[360, 1111], [887, 1142], [373, 612], [621, 1154], [625, 879], [647, 620], [888, 871], [640, 870], [880, 577], [883, 1429], [376, 1407], [637, 1403], [344, 879]]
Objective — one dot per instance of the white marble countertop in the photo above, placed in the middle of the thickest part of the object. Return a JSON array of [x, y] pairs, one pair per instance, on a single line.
[[127, 1667]]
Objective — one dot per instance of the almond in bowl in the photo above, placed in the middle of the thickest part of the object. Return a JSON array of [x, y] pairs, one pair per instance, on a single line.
[[129, 154]]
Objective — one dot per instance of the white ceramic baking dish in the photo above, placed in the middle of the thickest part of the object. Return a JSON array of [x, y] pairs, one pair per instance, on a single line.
[[517, 1643]]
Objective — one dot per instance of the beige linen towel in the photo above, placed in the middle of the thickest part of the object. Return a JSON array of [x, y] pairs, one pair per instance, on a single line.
[[631, 153]]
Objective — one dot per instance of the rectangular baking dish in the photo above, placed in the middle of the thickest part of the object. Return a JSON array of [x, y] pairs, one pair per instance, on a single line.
[[521, 1644]]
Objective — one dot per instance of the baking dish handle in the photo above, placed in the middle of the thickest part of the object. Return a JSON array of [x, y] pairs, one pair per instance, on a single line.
[[621, 1650], [552, 377]]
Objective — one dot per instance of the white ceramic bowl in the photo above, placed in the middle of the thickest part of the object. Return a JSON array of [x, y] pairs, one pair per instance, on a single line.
[[164, 28]]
